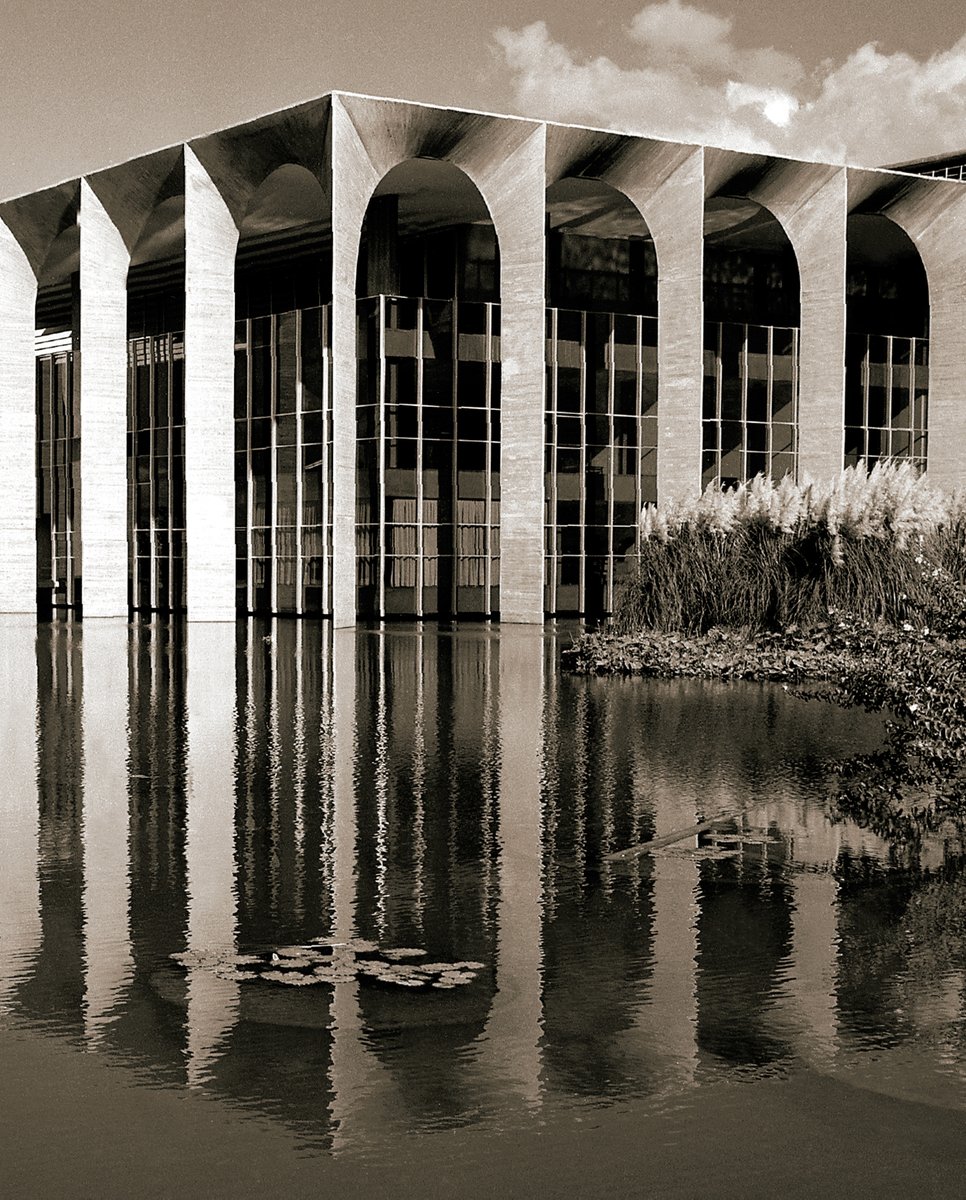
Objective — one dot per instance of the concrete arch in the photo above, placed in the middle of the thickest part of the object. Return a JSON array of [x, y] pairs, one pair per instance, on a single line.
[[665, 183], [505, 161], [809, 200], [931, 213]]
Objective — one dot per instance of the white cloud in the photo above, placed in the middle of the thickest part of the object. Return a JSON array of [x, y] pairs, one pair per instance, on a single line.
[[690, 81]]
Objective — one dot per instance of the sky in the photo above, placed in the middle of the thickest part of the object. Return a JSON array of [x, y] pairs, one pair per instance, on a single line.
[[86, 85]]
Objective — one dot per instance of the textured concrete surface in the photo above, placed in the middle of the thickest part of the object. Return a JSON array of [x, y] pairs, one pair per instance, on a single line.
[[809, 201], [504, 158], [18, 429], [103, 401], [211, 237], [933, 213], [665, 182], [348, 144]]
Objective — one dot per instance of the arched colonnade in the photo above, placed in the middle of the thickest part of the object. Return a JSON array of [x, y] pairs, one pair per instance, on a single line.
[[202, 305]]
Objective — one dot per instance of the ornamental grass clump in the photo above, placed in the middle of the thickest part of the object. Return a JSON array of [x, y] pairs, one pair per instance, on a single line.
[[880, 544]]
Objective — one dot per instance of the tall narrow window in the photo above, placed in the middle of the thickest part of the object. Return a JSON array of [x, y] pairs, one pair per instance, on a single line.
[[601, 452], [283, 463]]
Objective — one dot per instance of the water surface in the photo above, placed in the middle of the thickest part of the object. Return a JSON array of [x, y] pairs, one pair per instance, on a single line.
[[241, 789]]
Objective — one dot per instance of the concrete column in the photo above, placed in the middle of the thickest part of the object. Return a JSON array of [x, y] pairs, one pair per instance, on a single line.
[[353, 181], [515, 189], [814, 964], [104, 262], [674, 212], [811, 203], [354, 1072], [108, 958], [20, 929], [210, 845], [671, 1012], [211, 239], [510, 1046], [18, 434]]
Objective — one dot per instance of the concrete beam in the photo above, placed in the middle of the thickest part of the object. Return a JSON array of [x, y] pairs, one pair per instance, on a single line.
[[104, 262], [211, 238]]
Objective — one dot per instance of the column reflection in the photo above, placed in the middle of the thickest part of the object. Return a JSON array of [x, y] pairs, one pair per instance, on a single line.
[[210, 841], [20, 928], [510, 1047], [355, 1082], [107, 886], [54, 991]]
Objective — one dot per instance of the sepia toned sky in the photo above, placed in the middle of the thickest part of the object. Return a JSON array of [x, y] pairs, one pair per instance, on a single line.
[[84, 85]]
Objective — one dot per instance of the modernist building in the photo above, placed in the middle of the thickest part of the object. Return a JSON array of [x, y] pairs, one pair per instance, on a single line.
[[365, 357]]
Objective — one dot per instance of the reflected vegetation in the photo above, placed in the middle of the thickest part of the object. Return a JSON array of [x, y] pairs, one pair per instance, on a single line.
[[223, 791]]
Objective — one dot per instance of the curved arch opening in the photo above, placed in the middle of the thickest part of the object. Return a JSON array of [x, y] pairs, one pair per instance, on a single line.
[[887, 344], [601, 398], [283, 413], [428, 397], [752, 305]]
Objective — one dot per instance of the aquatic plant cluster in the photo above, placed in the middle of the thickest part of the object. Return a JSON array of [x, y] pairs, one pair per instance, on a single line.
[[855, 591], [877, 544], [326, 961]]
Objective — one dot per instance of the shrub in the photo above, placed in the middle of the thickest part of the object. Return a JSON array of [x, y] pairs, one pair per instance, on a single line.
[[880, 544]]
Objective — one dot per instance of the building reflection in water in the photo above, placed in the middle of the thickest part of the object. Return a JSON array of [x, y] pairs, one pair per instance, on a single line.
[[225, 789], [20, 924], [210, 861], [108, 964]]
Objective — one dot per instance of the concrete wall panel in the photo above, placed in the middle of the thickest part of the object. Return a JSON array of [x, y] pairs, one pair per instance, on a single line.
[[103, 405], [211, 238]]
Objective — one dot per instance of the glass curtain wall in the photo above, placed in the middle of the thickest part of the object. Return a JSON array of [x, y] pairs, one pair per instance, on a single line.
[[58, 475], [283, 462], [887, 345], [751, 343], [886, 394], [156, 481], [601, 451], [750, 405], [428, 457]]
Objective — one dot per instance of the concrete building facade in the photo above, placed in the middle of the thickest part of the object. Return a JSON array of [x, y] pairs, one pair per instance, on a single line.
[[366, 358]]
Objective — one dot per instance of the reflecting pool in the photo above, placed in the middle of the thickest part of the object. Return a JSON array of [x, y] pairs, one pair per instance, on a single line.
[[221, 793]]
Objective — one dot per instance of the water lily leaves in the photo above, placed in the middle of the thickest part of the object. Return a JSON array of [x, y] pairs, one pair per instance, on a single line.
[[327, 961]]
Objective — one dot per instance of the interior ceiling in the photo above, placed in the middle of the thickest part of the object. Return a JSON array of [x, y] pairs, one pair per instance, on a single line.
[[432, 195], [435, 194], [593, 209], [876, 241], [736, 223]]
